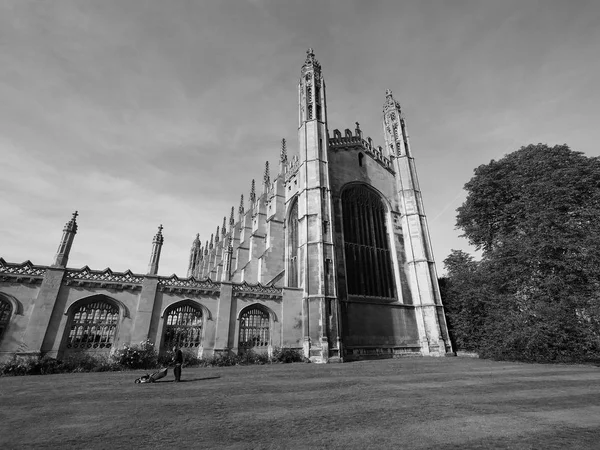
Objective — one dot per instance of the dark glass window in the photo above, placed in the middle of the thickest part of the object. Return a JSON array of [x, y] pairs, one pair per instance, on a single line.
[[183, 327], [368, 260], [293, 246], [254, 329], [93, 326]]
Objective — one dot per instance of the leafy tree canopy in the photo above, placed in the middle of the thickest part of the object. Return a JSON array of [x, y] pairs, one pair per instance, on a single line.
[[535, 294]]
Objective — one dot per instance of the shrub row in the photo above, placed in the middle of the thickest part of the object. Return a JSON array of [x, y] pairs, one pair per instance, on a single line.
[[143, 356]]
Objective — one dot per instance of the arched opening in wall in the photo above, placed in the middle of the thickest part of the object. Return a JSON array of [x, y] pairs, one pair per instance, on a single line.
[[183, 327], [255, 329], [92, 326], [6, 311], [293, 245], [360, 159], [366, 243]]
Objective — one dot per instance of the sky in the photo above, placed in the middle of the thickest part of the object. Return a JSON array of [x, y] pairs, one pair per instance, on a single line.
[[140, 113]]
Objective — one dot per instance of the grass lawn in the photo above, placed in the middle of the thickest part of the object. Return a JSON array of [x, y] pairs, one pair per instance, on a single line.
[[405, 403]]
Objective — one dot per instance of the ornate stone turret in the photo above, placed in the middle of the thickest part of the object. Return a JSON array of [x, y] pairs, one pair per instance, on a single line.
[[241, 208], [228, 248], [195, 256], [315, 270], [157, 243], [419, 254], [252, 192], [64, 248], [266, 179], [224, 227], [283, 158], [231, 219]]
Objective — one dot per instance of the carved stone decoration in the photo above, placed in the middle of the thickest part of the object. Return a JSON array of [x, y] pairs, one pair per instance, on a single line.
[[257, 290], [26, 269], [188, 283], [103, 276]]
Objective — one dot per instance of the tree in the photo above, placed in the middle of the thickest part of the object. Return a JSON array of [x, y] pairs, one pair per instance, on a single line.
[[534, 214], [463, 300]]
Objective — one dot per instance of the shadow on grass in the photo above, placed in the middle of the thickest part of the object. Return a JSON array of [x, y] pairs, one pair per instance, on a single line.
[[187, 380]]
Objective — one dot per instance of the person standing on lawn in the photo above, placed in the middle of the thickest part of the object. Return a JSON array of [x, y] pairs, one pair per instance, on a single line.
[[178, 361]]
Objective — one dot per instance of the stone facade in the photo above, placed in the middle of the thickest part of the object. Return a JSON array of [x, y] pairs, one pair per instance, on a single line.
[[331, 256]]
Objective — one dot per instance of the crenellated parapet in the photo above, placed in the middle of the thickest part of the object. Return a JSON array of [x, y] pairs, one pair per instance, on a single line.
[[86, 277], [356, 140], [174, 284], [257, 290]]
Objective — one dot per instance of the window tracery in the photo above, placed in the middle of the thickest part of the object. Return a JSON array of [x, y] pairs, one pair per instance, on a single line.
[[255, 329], [93, 326], [183, 327], [368, 259]]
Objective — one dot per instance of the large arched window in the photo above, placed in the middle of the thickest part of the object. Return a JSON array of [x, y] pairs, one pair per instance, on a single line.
[[368, 262], [255, 329], [5, 314], [293, 246], [183, 326], [93, 326]]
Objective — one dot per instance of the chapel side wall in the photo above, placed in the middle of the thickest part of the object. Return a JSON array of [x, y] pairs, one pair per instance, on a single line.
[[25, 294]]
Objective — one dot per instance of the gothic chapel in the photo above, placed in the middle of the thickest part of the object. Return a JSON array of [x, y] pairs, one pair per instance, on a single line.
[[331, 255]]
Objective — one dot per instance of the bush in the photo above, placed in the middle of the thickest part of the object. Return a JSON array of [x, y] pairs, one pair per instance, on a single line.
[[85, 362], [287, 355], [142, 356], [20, 366]]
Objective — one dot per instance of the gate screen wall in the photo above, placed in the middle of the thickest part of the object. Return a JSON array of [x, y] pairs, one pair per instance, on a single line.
[[93, 327], [183, 327], [366, 248], [255, 330]]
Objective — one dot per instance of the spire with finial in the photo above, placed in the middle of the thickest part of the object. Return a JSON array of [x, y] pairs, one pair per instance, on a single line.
[[224, 226], [311, 60], [157, 243], [231, 219], [266, 178], [195, 255], [217, 236], [64, 248], [253, 192], [212, 237], [206, 248], [389, 101], [241, 208], [283, 159]]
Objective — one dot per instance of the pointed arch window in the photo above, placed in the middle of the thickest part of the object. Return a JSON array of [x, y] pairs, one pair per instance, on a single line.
[[293, 246], [183, 327], [366, 247], [93, 326], [5, 315], [255, 329]]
